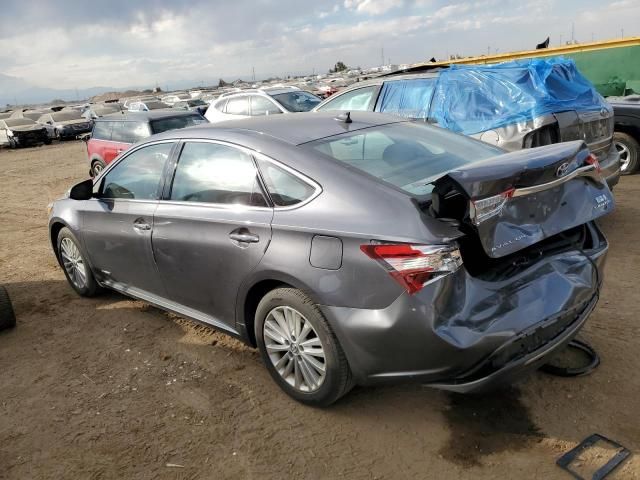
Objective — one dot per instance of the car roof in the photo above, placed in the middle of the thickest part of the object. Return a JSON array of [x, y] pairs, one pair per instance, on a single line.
[[294, 129], [127, 116]]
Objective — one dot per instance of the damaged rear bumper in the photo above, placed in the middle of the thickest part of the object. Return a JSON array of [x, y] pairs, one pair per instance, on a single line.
[[466, 334]]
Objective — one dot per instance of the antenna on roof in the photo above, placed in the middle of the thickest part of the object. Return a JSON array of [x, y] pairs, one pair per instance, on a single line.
[[345, 117]]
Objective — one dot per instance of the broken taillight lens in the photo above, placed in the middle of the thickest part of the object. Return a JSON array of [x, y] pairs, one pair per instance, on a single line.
[[481, 210], [413, 266], [593, 160]]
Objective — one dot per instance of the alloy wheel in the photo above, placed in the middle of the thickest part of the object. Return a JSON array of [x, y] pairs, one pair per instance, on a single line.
[[73, 263], [294, 348], [97, 169], [625, 156]]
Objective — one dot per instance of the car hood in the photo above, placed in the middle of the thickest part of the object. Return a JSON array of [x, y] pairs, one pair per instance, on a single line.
[[73, 122], [515, 200], [26, 128]]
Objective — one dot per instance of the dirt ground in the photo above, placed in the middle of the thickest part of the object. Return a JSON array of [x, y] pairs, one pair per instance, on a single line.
[[113, 388]]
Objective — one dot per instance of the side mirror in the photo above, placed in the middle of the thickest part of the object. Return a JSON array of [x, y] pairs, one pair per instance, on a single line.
[[82, 191]]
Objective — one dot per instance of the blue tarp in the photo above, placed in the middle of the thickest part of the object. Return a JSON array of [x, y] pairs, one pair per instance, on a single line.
[[475, 98], [407, 98]]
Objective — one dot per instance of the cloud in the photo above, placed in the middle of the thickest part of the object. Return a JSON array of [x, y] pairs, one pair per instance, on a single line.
[[372, 7], [125, 43]]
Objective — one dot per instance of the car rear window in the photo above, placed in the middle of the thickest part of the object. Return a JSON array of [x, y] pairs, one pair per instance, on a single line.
[[173, 123], [407, 155]]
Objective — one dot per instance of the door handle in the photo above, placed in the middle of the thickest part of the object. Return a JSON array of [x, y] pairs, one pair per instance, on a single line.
[[244, 236], [141, 224]]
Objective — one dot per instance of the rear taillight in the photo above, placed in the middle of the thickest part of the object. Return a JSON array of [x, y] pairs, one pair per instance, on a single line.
[[481, 210], [593, 160], [413, 266]]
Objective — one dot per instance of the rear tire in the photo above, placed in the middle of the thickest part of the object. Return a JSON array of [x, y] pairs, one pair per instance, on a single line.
[[75, 266], [312, 368], [629, 148], [47, 141], [7, 316]]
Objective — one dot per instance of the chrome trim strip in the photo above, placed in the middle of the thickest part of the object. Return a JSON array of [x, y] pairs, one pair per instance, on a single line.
[[586, 171]]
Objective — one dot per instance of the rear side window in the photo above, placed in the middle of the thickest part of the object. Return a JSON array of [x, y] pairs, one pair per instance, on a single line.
[[238, 106], [137, 176], [174, 123], [285, 188], [129, 132], [213, 173], [355, 100], [407, 98], [102, 130]]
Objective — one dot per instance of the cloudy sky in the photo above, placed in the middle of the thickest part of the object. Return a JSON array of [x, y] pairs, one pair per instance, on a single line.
[[120, 43]]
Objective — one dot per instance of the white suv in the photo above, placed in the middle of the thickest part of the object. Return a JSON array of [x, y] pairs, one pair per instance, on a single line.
[[252, 103]]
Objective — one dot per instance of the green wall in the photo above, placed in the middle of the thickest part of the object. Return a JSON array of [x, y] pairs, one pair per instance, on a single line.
[[614, 71]]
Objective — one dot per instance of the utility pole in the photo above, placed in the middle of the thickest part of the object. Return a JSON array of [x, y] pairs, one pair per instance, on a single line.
[[488, 50], [560, 39], [573, 31], [253, 72], [622, 33]]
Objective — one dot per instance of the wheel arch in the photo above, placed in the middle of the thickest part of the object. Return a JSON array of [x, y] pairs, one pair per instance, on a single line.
[[248, 301]]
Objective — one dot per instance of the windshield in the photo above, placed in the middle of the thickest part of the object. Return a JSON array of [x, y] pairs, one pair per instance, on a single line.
[[16, 122], [196, 103], [297, 101], [407, 155], [66, 116], [173, 123]]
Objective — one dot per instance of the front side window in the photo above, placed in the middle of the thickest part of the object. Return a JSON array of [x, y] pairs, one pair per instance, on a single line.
[[214, 173], [285, 188], [263, 106], [238, 106], [355, 100], [137, 175]]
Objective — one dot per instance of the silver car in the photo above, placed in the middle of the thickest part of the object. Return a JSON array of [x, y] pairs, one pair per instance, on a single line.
[[350, 250]]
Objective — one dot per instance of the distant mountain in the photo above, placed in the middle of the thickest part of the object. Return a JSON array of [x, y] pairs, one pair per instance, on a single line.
[[15, 89]]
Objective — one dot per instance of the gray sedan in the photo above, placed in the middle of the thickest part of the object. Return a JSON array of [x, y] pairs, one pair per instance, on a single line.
[[350, 250]]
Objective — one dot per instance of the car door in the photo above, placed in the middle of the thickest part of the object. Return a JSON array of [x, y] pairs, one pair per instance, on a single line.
[[117, 225], [211, 230], [122, 137]]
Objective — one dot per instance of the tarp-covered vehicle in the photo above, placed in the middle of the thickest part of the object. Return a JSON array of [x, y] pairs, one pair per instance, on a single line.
[[513, 105]]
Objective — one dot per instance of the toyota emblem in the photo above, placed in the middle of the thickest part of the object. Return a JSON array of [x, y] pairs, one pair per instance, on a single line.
[[562, 169]]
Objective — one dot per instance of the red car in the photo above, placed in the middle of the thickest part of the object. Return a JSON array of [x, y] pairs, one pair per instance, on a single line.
[[115, 133]]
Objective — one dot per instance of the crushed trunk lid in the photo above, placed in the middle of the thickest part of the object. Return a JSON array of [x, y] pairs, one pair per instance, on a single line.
[[518, 199]]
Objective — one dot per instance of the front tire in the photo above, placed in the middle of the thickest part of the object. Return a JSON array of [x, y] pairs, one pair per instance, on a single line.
[[7, 316], [75, 266], [299, 349], [629, 149]]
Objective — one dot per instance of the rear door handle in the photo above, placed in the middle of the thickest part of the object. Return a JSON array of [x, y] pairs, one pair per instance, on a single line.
[[141, 224], [244, 236]]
